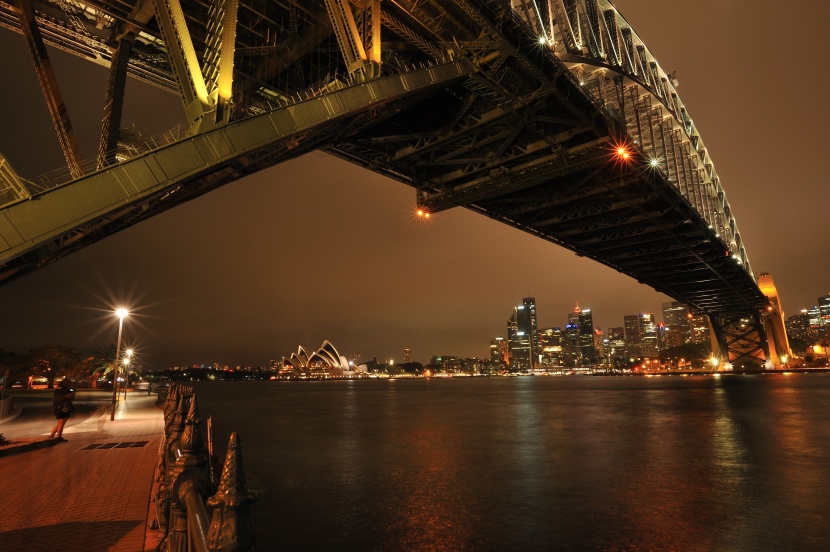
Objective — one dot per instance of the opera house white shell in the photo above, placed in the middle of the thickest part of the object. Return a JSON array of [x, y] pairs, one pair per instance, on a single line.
[[325, 359]]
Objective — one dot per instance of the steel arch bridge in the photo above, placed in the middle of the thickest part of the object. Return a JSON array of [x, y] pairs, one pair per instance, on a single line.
[[551, 116]]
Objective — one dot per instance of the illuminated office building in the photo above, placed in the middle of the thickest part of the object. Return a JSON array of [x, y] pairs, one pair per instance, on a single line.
[[523, 336], [648, 335], [676, 329], [550, 342], [633, 342], [587, 350]]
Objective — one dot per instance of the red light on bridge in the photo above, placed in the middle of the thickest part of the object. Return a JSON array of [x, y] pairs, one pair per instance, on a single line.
[[422, 213], [623, 153]]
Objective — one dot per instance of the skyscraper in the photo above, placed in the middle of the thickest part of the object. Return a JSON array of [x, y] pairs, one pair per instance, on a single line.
[[525, 355], [615, 346], [676, 324], [798, 327], [599, 346], [587, 351], [499, 352], [824, 314], [550, 341], [513, 342], [524, 340], [633, 343], [699, 328], [648, 335]]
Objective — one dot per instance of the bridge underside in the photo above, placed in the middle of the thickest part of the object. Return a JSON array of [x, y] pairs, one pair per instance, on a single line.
[[461, 103]]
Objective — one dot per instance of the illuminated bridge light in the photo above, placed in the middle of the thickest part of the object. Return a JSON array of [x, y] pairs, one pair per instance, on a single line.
[[654, 162], [422, 213]]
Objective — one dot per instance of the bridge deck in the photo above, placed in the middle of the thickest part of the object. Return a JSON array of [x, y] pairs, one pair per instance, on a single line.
[[499, 122]]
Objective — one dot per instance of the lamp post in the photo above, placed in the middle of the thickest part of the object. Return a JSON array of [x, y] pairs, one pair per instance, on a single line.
[[120, 313], [127, 356]]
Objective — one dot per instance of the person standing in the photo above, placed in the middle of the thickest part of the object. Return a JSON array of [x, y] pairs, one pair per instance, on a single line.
[[62, 403]]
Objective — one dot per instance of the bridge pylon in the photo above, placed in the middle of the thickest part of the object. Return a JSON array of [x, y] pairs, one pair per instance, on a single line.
[[739, 341], [752, 340]]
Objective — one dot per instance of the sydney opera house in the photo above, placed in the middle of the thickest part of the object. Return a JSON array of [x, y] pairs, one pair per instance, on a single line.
[[326, 362]]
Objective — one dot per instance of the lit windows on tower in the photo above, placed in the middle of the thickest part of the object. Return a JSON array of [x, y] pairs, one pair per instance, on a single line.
[[522, 335]]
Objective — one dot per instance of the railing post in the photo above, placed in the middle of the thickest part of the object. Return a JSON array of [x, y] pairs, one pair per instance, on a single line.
[[189, 482], [231, 529], [174, 427], [185, 482]]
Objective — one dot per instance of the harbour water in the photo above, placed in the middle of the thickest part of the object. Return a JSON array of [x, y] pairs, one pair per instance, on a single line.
[[738, 463]]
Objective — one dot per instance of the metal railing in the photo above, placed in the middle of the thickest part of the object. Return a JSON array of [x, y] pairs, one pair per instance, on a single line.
[[134, 148], [196, 510]]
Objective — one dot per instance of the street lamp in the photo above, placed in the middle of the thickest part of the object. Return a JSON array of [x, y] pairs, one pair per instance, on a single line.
[[120, 313], [127, 355]]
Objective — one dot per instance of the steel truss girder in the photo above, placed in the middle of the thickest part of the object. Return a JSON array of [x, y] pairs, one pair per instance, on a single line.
[[511, 65], [587, 210], [559, 163], [51, 91], [39, 232], [114, 102], [504, 181], [743, 338], [620, 235], [183, 59], [218, 57]]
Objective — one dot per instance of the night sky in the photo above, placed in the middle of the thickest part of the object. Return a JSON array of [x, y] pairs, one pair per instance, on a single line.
[[318, 249]]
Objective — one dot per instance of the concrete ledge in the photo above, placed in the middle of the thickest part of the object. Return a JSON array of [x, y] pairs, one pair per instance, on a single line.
[[15, 447], [16, 411]]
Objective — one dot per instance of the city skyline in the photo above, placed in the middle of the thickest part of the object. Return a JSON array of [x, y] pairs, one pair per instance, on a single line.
[[319, 249]]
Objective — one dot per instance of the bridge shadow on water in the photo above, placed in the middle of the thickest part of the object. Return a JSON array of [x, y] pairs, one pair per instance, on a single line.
[[72, 536]]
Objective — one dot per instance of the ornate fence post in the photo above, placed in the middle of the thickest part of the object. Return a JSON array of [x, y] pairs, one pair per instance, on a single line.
[[174, 426], [185, 483], [231, 528], [189, 476]]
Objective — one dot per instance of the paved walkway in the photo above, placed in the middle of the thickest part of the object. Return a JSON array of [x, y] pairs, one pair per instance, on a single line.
[[90, 493]]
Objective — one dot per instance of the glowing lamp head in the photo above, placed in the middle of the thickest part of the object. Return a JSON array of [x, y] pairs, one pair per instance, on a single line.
[[623, 153], [654, 162], [542, 40], [422, 213], [121, 313]]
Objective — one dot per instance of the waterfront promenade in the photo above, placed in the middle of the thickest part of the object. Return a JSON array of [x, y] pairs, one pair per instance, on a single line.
[[88, 493]]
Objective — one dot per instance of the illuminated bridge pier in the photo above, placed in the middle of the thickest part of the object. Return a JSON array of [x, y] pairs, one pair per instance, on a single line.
[[550, 116]]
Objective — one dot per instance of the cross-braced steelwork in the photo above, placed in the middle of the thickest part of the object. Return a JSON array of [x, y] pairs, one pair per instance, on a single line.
[[549, 115]]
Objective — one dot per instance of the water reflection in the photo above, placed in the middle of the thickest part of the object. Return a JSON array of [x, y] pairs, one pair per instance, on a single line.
[[737, 463]]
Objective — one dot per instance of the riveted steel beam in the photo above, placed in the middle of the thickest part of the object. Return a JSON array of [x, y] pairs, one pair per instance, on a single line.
[[183, 58], [51, 90]]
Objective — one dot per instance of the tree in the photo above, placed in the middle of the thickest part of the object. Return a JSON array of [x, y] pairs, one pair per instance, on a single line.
[[102, 361], [11, 362], [52, 361]]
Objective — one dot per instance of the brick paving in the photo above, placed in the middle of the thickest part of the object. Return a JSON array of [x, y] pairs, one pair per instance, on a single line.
[[73, 496]]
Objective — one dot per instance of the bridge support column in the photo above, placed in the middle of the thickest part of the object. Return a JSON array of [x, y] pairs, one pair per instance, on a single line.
[[114, 103], [49, 84], [351, 43], [739, 342], [774, 322]]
